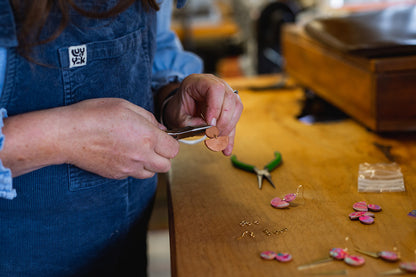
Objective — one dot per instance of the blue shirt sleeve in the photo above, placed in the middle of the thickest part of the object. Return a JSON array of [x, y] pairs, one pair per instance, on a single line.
[[6, 189], [3, 53], [172, 63]]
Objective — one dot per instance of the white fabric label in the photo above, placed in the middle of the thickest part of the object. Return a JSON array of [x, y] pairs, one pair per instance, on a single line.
[[77, 55]]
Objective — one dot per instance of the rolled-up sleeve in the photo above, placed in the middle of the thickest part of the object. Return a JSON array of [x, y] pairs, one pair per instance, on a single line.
[[172, 63], [6, 188], [8, 38]]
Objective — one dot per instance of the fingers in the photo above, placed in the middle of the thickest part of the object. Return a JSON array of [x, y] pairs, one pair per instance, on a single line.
[[224, 111], [145, 174], [160, 151], [232, 108], [117, 139], [153, 149], [204, 98], [210, 99], [155, 158], [228, 150], [166, 146]]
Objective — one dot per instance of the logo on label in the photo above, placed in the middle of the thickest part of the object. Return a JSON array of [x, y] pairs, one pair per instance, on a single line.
[[77, 55]]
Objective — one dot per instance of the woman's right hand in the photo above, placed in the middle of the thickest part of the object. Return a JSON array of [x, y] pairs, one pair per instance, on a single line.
[[108, 136]]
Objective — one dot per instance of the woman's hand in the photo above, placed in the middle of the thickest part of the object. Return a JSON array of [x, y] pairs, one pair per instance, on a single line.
[[205, 99], [110, 137]]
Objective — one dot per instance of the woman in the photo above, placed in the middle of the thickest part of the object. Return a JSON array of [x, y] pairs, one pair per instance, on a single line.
[[80, 82]]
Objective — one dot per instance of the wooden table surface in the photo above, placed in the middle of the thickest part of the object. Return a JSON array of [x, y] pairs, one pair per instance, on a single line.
[[209, 198]]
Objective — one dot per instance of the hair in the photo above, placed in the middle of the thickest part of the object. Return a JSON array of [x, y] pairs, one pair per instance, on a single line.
[[31, 16]]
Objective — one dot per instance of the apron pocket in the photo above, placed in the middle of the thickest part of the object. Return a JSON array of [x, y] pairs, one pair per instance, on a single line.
[[113, 68], [118, 68]]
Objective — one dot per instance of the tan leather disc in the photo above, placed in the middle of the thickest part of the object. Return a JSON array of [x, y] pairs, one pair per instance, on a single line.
[[212, 132], [217, 144]]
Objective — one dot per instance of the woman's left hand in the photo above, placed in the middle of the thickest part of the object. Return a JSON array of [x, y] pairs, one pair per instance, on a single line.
[[205, 99]]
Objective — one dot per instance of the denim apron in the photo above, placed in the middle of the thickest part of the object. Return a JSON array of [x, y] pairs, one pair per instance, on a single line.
[[66, 221]]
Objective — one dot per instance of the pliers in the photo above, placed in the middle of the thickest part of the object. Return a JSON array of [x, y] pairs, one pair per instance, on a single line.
[[187, 132], [261, 173]]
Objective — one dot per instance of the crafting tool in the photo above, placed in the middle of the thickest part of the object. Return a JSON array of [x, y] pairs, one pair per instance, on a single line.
[[261, 173], [187, 132]]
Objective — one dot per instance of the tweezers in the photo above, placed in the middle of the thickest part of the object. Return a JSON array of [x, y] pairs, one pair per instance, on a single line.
[[187, 132]]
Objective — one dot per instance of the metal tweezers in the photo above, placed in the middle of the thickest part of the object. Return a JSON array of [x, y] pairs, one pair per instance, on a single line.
[[186, 132]]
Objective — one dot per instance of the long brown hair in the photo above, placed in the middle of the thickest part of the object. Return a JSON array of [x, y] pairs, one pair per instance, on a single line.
[[31, 16]]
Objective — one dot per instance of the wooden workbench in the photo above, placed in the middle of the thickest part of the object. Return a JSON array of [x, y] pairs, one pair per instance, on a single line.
[[209, 198]]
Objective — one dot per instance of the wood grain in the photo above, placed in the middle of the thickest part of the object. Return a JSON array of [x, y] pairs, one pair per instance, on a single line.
[[209, 197]]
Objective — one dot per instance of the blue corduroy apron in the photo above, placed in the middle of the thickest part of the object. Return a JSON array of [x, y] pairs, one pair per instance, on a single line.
[[66, 221]]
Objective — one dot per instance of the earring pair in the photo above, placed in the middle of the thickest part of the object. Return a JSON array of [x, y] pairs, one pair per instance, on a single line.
[[281, 203]]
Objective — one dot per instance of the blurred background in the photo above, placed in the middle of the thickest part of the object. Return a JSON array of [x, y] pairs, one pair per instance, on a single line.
[[238, 38], [242, 37]]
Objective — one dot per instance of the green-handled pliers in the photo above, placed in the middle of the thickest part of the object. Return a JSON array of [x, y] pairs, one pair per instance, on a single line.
[[261, 173]]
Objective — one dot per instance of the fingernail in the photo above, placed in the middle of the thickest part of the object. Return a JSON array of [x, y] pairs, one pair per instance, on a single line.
[[214, 122]]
